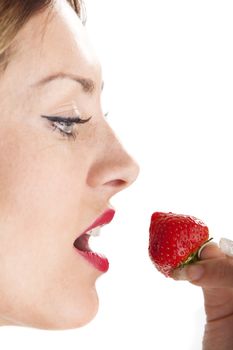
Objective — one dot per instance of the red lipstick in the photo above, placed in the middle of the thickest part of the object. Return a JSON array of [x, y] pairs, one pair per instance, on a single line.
[[99, 261]]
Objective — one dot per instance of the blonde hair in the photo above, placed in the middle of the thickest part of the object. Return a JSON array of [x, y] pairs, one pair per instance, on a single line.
[[15, 13]]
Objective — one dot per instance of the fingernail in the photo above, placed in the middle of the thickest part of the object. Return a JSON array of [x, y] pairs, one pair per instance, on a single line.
[[212, 244], [190, 273], [226, 246], [211, 251]]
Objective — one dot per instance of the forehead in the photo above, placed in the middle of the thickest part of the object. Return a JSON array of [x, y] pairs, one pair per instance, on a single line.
[[55, 40]]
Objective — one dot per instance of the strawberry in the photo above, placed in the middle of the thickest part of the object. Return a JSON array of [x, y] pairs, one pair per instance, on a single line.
[[175, 240]]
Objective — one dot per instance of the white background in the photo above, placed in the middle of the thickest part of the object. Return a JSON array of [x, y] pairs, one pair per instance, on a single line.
[[168, 74]]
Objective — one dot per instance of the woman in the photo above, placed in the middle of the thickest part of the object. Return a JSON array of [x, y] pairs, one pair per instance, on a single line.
[[57, 174], [60, 165]]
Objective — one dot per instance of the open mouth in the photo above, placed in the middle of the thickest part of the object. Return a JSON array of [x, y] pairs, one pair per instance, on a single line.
[[82, 242]]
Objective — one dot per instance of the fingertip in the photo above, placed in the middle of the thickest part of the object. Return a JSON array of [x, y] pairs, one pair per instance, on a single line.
[[190, 273], [209, 251]]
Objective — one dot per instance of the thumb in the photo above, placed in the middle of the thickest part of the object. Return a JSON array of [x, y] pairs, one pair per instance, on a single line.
[[215, 270]]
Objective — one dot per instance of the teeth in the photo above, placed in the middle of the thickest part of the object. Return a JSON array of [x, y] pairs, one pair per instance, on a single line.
[[95, 232]]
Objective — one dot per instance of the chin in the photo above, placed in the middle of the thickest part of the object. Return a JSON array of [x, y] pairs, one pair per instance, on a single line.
[[61, 316], [78, 313], [73, 320], [70, 318]]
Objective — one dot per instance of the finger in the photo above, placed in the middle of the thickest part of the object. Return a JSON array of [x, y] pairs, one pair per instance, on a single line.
[[210, 251], [209, 273]]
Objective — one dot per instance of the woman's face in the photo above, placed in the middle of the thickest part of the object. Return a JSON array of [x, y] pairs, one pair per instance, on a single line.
[[53, 186]]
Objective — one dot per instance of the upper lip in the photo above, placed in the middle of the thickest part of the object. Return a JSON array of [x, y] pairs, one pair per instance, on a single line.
[[105, 218]]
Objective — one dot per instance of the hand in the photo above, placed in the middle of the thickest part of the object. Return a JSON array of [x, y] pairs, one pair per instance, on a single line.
[[214, 273]]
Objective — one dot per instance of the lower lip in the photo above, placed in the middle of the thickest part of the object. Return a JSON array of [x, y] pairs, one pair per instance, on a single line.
[[98, 261]]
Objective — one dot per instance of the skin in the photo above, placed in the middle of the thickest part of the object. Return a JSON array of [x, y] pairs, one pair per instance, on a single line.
[[53, 187], [214, 273]]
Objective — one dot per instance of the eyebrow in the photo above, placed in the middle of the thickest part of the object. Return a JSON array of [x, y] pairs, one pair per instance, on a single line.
[[88, 85]]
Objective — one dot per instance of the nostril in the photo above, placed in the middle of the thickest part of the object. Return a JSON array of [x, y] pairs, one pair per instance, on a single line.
[[116, 183]]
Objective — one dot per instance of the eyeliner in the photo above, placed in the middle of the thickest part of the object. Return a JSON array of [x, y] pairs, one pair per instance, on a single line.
[[54, 118]]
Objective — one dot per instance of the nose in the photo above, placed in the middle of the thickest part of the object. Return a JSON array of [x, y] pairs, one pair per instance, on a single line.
[[113, 169]]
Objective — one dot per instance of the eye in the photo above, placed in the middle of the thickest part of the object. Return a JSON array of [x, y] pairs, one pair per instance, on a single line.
[[65, 125]]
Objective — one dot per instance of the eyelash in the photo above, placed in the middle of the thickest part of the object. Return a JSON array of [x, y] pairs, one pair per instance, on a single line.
[[68, 121]]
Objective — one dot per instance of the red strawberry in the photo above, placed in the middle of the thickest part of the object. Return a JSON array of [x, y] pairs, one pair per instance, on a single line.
[[175, 240]]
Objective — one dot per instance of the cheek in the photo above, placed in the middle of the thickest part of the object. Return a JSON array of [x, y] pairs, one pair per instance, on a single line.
[[43, 181], [43, 282]]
